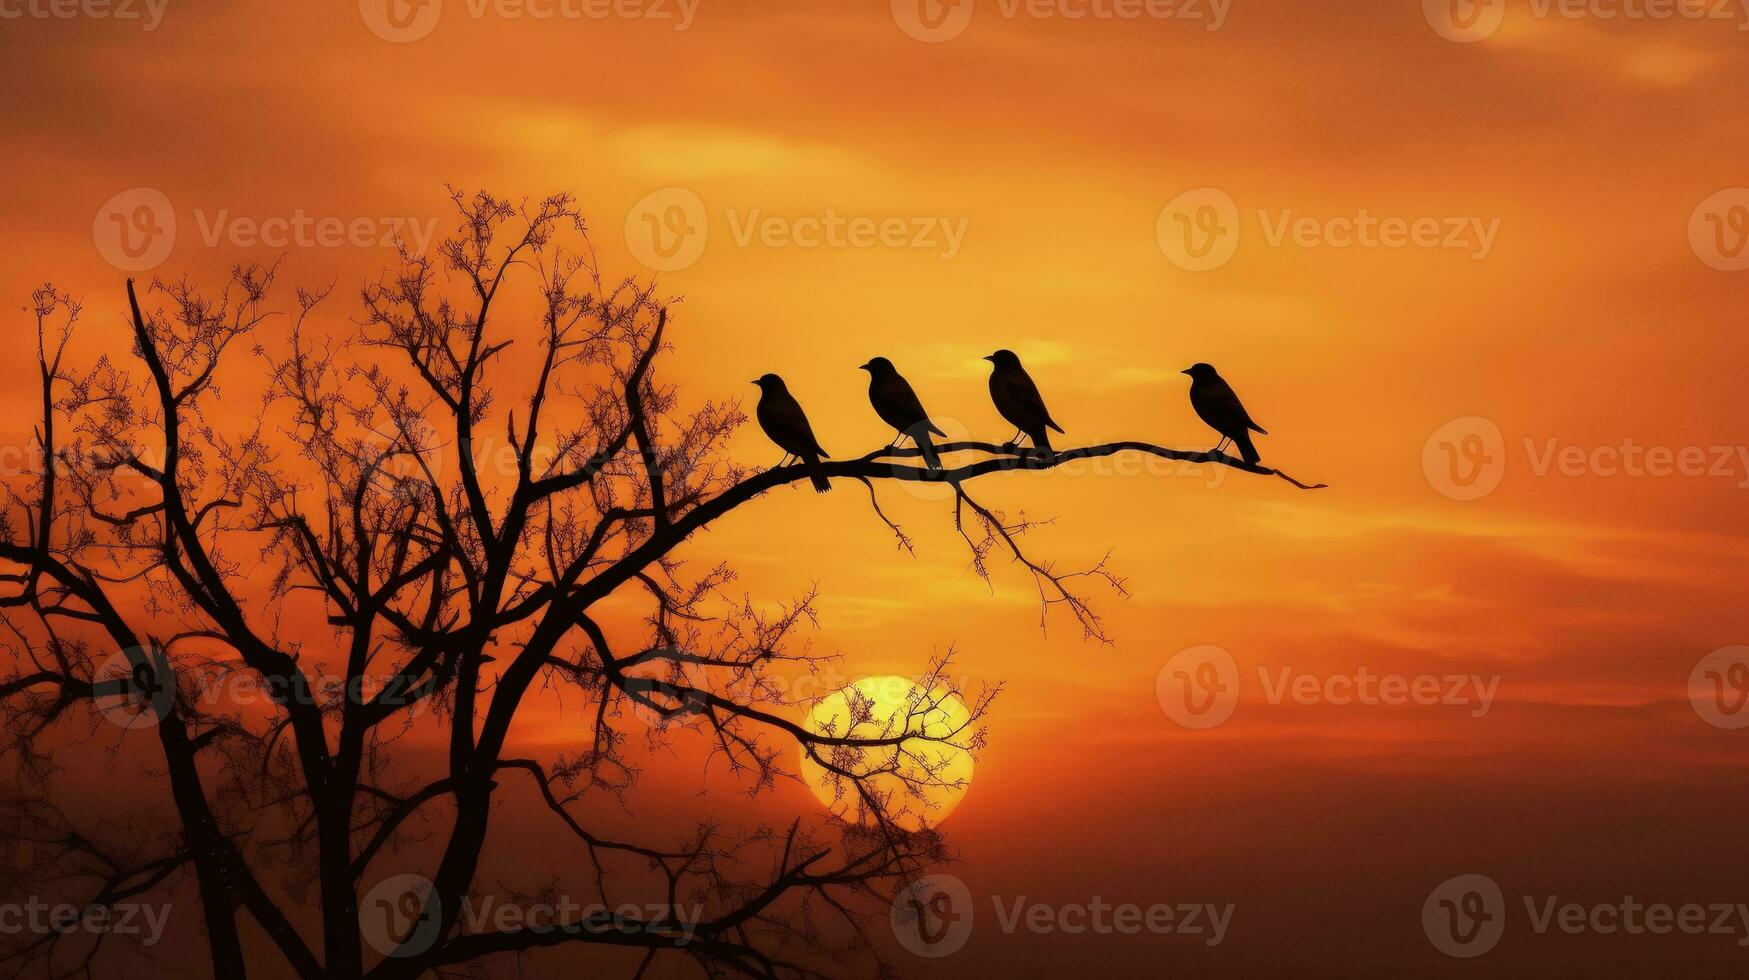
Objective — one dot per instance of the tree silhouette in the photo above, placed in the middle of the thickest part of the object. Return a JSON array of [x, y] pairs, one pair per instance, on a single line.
[[156, 549]]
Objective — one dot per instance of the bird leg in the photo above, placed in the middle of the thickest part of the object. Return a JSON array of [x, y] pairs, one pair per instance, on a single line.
[[1222, 446], [784, 460], [1013, 443]]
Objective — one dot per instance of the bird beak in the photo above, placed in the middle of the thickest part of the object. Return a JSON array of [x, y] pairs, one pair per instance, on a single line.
[[990, 357], [863, 366], [1185, 371]]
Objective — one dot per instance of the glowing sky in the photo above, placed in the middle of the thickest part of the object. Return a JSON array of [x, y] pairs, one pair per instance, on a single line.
[[1054, 145]]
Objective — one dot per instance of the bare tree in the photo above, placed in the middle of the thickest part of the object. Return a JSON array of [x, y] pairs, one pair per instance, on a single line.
[[155, 549]]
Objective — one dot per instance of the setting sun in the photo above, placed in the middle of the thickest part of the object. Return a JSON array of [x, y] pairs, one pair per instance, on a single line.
[[577, 487], [919, 784]]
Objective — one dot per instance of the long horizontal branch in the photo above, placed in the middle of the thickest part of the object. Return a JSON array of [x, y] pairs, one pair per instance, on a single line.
[[1004, 458], [871, 467]]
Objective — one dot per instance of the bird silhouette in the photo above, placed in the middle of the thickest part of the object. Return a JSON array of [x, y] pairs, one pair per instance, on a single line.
[[1216, 404], [784, 422], [897, 405], [1018, 400]]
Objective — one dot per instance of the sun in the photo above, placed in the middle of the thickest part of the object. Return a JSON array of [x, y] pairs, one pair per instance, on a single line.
[[927, 779]]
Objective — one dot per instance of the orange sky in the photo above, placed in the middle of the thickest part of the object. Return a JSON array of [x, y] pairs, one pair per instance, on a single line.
[[1057, 143]]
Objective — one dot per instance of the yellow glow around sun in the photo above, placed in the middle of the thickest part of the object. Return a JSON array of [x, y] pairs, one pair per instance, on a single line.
[[886, 707]]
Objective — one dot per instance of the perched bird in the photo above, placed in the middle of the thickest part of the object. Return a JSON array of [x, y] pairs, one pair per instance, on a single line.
[[1216, 404], [897, 405], [1018, 400], [781, 416]]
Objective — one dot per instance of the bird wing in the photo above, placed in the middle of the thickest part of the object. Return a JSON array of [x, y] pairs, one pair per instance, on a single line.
[[1222, 398], [1014, 391], [782, 418], [896, 403]]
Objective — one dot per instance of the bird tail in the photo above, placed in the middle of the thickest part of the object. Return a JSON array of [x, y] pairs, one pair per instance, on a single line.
[[1042, 440], [927, 448], [1246, 449], [821, 484]]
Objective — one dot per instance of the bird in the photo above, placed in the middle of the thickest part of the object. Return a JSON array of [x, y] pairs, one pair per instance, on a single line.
[[897, 405], [1216, 404], [784, 422], [1018, 400]]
